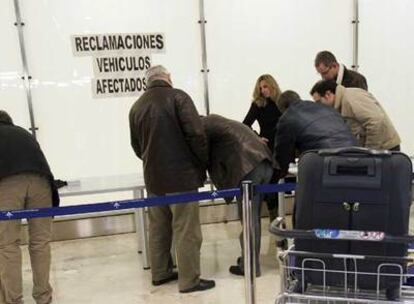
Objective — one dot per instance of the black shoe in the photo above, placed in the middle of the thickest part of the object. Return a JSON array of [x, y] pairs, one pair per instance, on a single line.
[[236, 270], [239, 261], [172, 277], [202, 285]]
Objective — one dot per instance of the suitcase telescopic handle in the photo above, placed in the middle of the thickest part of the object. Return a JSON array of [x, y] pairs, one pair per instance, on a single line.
[[335, 234], [354, 150]]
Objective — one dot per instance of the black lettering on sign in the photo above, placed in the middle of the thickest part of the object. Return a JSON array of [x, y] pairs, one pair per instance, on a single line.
[[153, 46], [144, 82], [122, 82], [120, 43], [105, 84], [112, 43], [98, 41], [127, 86], [105, 44], [160, 42], [139, 84], [128, 63], [116, 85], [133, 84], [85, 43], [106, 64], [128, 41], [147, 62], [146, 42], [112, 64], [122, 64], [99, 63], [92, 43], [78, 44], [98, 87], [111, 85], [137, 42], [120, 85]]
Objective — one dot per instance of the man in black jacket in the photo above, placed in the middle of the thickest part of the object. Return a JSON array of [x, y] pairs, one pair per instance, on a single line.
[[168, 136], [307, 125], [26, 182]]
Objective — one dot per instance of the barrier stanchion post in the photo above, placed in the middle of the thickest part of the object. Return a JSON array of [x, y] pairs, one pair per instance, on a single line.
[[138, 219], [282, 203], [249, 243], [142, 230], [144, 225]]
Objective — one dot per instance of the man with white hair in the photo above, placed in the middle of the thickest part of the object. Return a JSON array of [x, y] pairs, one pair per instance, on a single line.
[[168, 136]]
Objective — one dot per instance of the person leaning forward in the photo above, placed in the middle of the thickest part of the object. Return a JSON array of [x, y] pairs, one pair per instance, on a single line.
[[364, 114], [26, 182], [237, 154], [168, 136], [306, 125]]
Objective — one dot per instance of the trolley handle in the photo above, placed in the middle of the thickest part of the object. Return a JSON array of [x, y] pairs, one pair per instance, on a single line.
[[335, 234], [354, 150]]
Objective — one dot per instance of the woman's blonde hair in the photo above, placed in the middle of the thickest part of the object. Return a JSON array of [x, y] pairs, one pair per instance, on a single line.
[[275, 92]]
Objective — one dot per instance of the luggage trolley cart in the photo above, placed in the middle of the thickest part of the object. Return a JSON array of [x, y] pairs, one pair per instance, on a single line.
[[388, 270]]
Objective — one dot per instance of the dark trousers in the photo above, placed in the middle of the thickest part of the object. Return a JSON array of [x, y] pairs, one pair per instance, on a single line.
[[259, 175]]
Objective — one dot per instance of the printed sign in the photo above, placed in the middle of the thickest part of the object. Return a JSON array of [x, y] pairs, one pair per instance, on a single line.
[[119, 61], [93, 44]]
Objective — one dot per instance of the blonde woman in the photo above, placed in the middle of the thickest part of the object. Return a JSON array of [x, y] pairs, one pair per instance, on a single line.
[[265, 111]]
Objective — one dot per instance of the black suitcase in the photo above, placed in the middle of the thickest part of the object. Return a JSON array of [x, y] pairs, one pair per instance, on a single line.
[[353, 189]]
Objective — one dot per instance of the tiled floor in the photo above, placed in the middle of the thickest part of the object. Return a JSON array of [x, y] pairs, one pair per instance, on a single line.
[[108, 270]]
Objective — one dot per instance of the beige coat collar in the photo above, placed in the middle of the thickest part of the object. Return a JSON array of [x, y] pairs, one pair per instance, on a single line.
[[339, 95], [340, 76]]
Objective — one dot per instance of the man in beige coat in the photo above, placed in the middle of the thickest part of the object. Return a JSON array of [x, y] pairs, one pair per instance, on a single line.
[[367, 119]]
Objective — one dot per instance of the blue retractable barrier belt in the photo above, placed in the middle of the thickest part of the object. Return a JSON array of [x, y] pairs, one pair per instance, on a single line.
[[119, 205], [139, 203], [269, 188]]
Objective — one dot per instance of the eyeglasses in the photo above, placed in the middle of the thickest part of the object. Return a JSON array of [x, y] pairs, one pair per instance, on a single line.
[[325, 71]]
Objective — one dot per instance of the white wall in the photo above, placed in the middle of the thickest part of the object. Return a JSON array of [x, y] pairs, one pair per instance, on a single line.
[[386, 48], [82, 136], [280, 37], [12, 93]]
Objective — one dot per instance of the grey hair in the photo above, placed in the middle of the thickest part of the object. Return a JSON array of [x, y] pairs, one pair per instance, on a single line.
[[5, 118], [156, 72]]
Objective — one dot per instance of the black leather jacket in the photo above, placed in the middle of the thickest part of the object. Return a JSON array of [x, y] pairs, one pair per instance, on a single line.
[[167, 134], [308, 125], [235, 150]]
